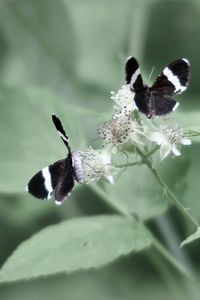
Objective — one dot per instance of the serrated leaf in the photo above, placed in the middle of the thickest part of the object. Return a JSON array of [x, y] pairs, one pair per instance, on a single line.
[[192, 237], [81, 243], [121, 278]]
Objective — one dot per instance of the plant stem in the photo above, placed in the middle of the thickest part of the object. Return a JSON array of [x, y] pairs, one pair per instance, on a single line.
[[135, 163], [190, 133], [140, 162], [167, 255], [166, 189]]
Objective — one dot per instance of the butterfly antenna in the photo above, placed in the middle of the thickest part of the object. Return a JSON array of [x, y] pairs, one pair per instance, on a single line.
[[151, 73], [61, 131]]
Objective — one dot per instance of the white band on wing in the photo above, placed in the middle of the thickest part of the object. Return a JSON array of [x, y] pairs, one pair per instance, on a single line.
[[134, 76], [174, 80], [47, 181]]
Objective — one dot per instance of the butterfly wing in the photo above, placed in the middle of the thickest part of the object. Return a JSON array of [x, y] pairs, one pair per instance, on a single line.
[[174, 78], [61, 131], [65, 184], [133, 76], [162, 105], [141, 100], [52, 178]]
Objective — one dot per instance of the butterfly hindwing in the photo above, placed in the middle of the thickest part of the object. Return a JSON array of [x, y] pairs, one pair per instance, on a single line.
[[65, 183], [141, 101], [162, 105], [174, 78]]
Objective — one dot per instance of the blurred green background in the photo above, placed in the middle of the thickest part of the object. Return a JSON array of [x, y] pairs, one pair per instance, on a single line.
[[65, 57]]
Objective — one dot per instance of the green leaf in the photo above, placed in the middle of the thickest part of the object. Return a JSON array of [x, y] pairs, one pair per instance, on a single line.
[[73, 245], [138, 192], [120, 278], [192, 237]]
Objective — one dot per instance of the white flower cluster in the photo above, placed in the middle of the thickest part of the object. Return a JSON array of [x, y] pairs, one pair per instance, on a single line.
[[169, 138], [126, 126]]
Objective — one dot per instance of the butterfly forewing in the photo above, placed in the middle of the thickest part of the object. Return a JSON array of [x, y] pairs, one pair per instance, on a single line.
[[174, 78], [43, 183], [133, 76]]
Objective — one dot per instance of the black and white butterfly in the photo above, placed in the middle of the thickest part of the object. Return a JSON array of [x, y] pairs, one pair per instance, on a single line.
[[156, 100], [60, 176]]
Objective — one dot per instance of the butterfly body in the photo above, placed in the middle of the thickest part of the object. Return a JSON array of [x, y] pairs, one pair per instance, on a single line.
[[157, 100], [151, 103]]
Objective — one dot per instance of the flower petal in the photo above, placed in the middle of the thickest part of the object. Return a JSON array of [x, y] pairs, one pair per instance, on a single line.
[[185, 141], [109, 178], [175, 150], [157, 137], [165, 149]]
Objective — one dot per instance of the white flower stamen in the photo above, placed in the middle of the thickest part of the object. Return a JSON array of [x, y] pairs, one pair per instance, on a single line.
[[97, 164], [124, 99], [120, 129]]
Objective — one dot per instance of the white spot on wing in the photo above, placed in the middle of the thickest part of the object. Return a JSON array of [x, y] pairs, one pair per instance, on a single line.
[[58, 203], [187, 61], [174, 80], [27, 188], [128, 58], [47, 181], [175, 106], [62, 136]]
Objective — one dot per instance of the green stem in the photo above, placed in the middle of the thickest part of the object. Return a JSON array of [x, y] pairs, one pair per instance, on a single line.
[[166, 189], [192, 133], [167, 255], [157, 245], [140, 162], [176, 286], [136, 163]]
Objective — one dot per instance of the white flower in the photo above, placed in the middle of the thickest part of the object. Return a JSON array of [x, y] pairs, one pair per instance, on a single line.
[[169, 138], [124, 98], [97, 164], [120, 129]]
